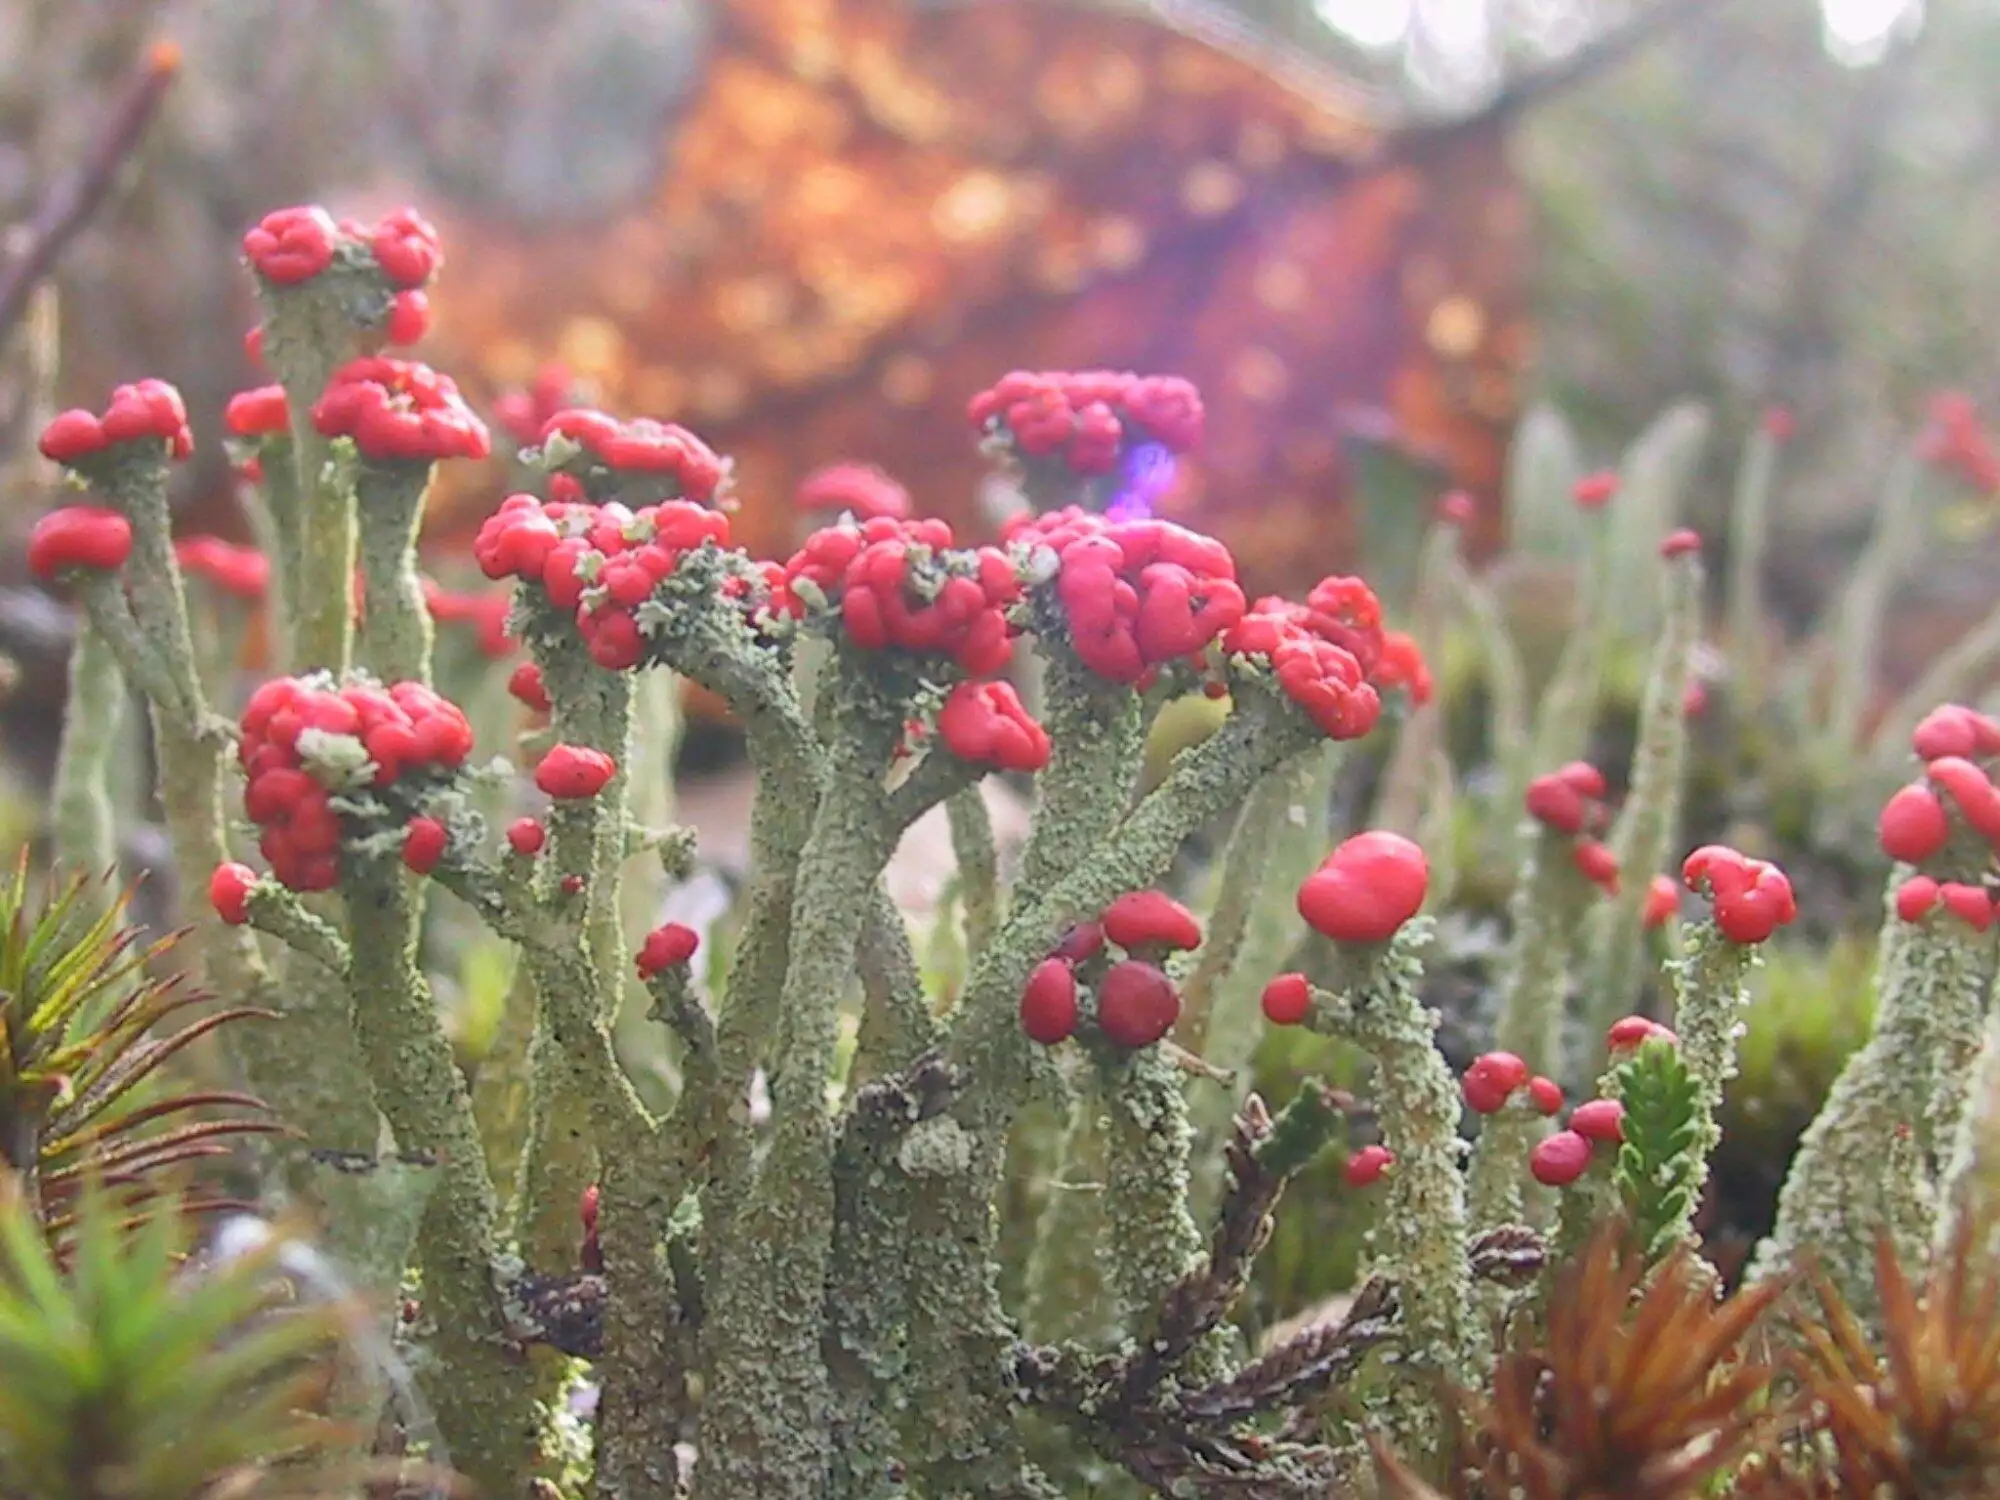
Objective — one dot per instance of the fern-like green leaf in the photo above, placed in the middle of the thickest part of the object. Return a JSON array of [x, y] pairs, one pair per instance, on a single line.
[[1658, 1172]]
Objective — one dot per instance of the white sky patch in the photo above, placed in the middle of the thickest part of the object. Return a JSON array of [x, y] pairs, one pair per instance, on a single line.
[[1377, 25], [1859, 32]]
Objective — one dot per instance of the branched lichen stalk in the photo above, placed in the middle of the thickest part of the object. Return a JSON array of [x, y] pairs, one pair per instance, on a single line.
[[897, 1026], [1644, 835], [1069, 1264], [1154, 1241], [485, 1399], [1420, 1240], [953, 1324], [592, 708], [764, 1420], [308, 1068], [396, 627], [1710, 998]]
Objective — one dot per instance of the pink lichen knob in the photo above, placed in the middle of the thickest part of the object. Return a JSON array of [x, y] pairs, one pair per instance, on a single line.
[[1366, 889], [1599, 1120], [574, 772], [1137, 1004], [667, 946], [1366, 1166], [1491, 1081], [1287, 999], [1048, 1002], [1143, 920], [1559, 1159]]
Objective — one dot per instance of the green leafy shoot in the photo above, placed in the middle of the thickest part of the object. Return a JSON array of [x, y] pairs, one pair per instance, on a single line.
[[1659, 1169]]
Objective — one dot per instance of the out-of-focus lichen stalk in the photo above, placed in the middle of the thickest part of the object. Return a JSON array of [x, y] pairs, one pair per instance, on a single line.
[[1498, 1189], [1568, 708], [978, 865], [396, 632], [1406, 781], [1253, 872], [1864, 1166], [484, 1397], [1969, 1186], [1749, 534], [1067, 1270], [85, 825], [272, 508], [309, 332], [1550, 903], [1960, 670], [1643, 837], [1419, 1241], [1855, 644]]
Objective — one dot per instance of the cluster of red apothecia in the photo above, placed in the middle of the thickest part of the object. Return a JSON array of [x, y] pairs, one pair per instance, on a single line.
[[304, 741], [640, 446], [146, 410], [600, 561], [399, 411], [1752, 898], [1956, 745], [1136, 1001], [1571, 801], [1088, 418], [292, 246]]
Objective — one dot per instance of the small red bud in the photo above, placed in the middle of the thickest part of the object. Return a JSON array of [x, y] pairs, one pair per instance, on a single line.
[[1048, 1002], [525, 683], [1595, 491], [1599, 1119], [229, 892], [1635, 1031], [1913, 825], [1545, 1094], [575, 772], [1916, 897], [1663, 899], [1366, 1166], [1491, 1081], [1680, 543], [526, 836], [424, 841], [1559, 1159], [1287, 999], [1085, 940], [665, 947], [1136, 1004], [572, 885]]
